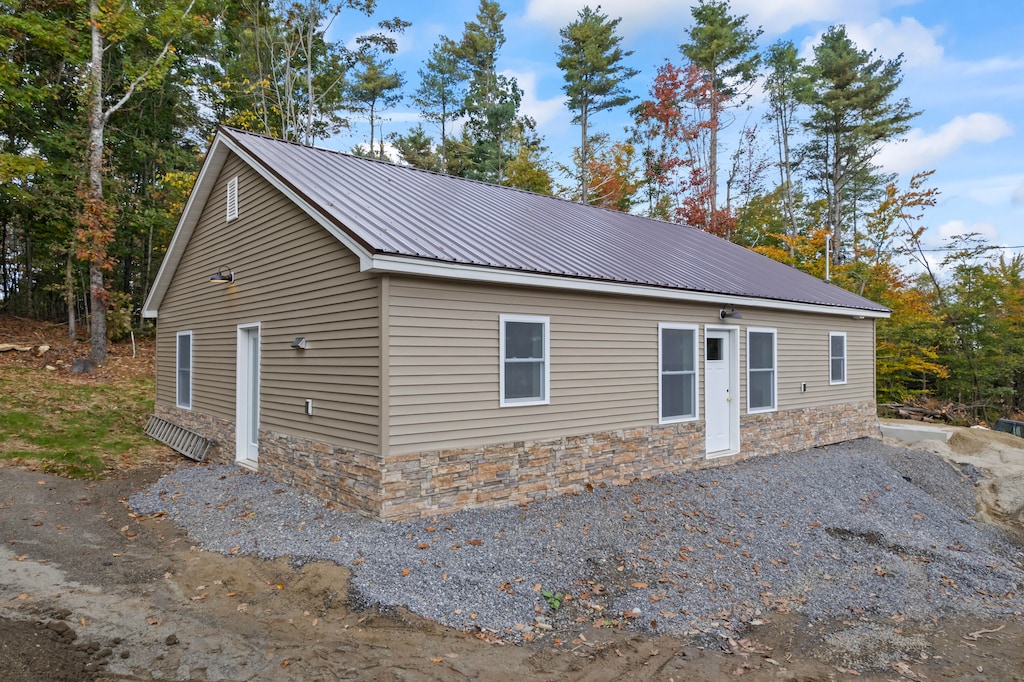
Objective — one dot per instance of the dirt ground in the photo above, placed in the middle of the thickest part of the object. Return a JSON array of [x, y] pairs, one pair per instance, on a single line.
[[89, 591]]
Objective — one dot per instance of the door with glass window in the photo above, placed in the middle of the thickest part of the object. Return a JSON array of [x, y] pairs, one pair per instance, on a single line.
[[721, 407], [247, 408]]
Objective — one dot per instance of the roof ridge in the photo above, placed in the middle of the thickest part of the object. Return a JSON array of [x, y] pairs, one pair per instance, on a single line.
[[409, 167]]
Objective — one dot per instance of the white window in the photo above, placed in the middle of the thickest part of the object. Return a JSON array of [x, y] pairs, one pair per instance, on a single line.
[[184, 370], [524, 360], [677, 371], [232, 198], [760, 370], [837, 357]]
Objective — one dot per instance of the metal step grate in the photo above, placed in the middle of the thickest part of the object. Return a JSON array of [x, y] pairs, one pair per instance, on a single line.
[[178, 438]]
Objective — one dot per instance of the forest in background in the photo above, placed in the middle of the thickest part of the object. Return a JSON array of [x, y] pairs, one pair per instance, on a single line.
[[106, 109]]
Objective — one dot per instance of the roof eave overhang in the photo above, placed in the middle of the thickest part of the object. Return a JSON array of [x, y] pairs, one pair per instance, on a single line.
[[387, 263]]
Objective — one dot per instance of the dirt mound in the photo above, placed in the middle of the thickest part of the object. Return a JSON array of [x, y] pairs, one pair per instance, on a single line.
[[995, 460]]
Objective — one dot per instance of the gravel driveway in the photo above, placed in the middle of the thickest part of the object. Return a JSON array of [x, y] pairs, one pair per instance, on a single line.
[[859, 528]]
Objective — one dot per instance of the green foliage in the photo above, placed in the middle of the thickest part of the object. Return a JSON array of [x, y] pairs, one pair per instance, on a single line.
[[554, 599]]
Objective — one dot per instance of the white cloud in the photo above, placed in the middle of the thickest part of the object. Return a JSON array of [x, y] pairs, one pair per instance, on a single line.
[[921, 150], [955, 228], [543, 111], [777, 16], [917, 43]]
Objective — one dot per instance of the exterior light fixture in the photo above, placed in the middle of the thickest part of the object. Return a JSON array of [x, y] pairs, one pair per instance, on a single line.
[[299, 343], [725, 314], [223, 277]]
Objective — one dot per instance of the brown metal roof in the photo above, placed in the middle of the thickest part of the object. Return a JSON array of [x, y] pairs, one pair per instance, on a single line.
[[404, 211]]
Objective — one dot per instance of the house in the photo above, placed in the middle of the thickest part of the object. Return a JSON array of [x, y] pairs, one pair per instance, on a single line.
[[404, 343]]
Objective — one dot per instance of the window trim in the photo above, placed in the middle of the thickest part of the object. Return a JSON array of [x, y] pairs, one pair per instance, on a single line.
[[662, 326], [545, 397], [846, 359], [775, 369], [232, 199], [178, 368]]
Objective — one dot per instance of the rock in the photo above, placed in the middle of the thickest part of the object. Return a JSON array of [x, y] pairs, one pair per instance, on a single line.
[[41, 349], [125, 654], [81, 366], [51, 368], [171, 640], [58, 626]]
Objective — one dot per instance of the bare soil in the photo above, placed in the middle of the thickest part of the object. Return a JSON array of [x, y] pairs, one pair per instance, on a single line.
[[89, 591]]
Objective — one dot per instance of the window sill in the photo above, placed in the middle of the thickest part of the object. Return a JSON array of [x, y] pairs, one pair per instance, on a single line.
[[523, 403]]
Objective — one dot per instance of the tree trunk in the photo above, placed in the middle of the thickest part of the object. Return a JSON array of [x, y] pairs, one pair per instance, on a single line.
[[713, 152], [69, 295], [584, 154], [97, 121]]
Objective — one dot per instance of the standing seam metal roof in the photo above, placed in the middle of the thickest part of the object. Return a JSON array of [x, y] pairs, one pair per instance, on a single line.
[[405, 211]]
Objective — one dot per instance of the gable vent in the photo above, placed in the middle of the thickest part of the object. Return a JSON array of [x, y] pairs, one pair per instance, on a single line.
[[233, 198]]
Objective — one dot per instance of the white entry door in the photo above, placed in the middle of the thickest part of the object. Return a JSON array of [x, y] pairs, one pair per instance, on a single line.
[[247, 407], [721, 399]]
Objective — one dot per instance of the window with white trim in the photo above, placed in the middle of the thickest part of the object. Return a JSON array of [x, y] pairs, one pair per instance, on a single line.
[[525, 371], [837, 357], [232, 198], [677, 372], [761, 374], [183, 373]]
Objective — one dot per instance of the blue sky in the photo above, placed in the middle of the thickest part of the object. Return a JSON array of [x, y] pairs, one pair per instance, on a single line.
[[963, 68]]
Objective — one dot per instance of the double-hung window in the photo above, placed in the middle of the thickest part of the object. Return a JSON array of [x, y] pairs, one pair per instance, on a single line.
[[837, 357], [183, 373], [677, 369], [761, 374], [525, 371]]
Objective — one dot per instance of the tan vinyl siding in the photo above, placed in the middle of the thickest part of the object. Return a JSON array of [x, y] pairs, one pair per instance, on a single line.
[[443, 361], [295, 279]]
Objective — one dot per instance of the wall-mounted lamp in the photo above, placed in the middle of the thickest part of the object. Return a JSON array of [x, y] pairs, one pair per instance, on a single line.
[[858, 317], [223, 277], [299, 343], [725, 314]]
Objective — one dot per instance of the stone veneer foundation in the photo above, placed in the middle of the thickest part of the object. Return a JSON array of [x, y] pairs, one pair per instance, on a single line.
[[439, 481]]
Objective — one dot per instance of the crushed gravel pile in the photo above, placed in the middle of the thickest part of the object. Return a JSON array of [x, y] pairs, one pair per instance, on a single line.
[[851, 529]]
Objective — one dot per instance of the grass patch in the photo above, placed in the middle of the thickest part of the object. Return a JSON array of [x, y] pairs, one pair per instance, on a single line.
[[77, 430]]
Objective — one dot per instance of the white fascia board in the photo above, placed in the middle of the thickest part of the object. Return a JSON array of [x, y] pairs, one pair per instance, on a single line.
[[343, 237], [475, 273], [186, 224]]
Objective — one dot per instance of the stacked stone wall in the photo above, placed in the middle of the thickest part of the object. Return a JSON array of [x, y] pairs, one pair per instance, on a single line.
[[520, 472]]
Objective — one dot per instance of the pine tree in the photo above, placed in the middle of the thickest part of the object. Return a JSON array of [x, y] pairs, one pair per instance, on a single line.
[[591, 60], [854, 110], [724, 48], [440, 95]]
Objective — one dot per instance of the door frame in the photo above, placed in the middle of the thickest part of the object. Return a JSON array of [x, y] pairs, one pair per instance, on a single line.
[[733, 358], [245, 392]]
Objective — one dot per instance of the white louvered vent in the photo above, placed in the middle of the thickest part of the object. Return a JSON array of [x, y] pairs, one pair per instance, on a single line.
[[233, 198]]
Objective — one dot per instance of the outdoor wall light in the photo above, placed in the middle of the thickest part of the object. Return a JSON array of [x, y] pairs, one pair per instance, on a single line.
[[299, 343], [725, 314], [223, 277]]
